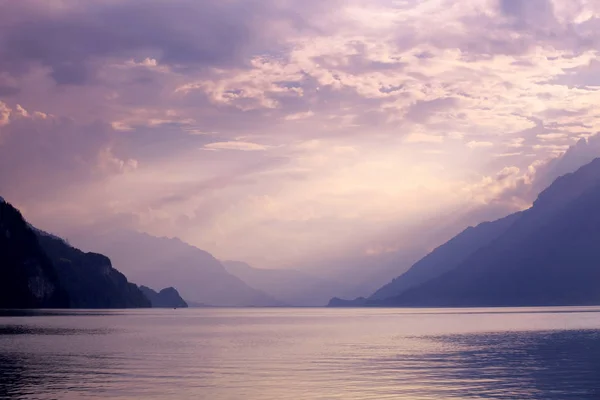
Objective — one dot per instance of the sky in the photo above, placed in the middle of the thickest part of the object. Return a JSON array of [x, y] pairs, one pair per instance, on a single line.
[[280, 131]]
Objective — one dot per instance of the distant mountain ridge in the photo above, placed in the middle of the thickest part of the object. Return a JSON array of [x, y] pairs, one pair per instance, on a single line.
[[169, 262], [290, 286], [547, 255]]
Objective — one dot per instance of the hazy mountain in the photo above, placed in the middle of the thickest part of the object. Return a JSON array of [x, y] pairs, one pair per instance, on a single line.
[[446, 257], [290, 286], [27, 276], [166, 298], [360, 275], [548, 256], [163, 262]]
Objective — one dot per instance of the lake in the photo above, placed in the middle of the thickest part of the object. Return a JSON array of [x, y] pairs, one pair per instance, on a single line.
[[302, 353]]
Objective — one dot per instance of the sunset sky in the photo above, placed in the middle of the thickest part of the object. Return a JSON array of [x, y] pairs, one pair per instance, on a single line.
[[273, 131]]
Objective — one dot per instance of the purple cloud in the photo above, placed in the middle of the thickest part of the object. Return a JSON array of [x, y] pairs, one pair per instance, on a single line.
[[324, 119]]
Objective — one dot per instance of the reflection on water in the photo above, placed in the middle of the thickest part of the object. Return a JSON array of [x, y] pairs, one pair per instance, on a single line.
[[508, 365], [30, 330], [302, 354]]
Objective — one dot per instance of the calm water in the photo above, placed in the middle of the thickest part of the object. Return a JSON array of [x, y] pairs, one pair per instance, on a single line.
[[295, 354]]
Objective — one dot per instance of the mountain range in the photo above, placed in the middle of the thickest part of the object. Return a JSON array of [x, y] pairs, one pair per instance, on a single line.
[[39, 270], [545, 255], [548, 254], [291, 286], [446, 257], [169, 262]]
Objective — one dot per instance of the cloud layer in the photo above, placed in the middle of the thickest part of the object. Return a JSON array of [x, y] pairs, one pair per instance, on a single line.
[[275, 131]]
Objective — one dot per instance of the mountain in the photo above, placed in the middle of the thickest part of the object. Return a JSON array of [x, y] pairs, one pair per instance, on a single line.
[[360, 274], [169, 262], [548, 256], [166, 298], [446, 257], [337, 302], [27, 276], [40, 270], [89, 278], [290, 286]]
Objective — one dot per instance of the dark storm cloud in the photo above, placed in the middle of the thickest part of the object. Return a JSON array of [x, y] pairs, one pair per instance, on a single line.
[[534, 21], [182, 34], [70, 41], [6, 91], [526, 14]]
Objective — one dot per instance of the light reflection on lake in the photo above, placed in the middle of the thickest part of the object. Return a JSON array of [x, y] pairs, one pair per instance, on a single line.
[[536, 353]]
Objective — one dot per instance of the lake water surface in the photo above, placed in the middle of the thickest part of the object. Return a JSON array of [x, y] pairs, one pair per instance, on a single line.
[[534, 353]]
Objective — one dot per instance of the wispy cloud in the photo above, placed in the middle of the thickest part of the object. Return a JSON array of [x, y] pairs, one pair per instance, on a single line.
[[423, 138], [479, 144], [241, 146]]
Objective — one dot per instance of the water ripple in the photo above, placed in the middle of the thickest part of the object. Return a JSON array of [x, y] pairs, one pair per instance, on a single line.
[[302, 354]]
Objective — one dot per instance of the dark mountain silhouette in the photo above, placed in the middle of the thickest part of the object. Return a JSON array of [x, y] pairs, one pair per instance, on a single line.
[[27, 276], [169, 262], [40, 270], [550, 255], [290, 286], [441, 260], [89, 278], [446, 257], [166, 298], [337, 302]]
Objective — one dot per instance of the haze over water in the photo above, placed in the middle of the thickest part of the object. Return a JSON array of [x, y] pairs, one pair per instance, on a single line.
[[534, 353]]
